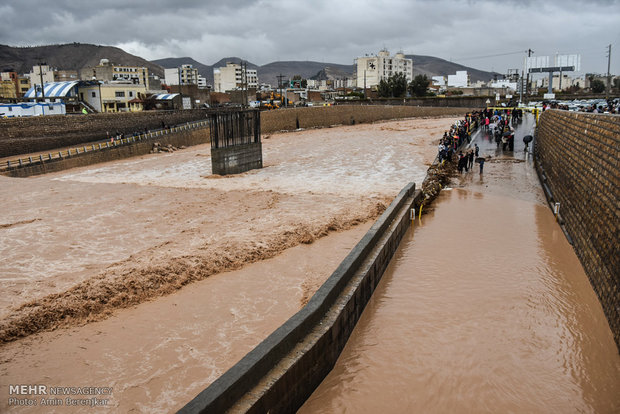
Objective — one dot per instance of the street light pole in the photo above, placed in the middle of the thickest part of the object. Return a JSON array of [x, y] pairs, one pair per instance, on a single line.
[[42, 89]]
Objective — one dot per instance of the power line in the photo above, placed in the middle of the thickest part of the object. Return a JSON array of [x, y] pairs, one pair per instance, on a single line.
[[488, 56]]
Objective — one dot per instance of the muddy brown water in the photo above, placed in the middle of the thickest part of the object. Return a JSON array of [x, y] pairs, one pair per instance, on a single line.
[[485, 308], [104, 227]]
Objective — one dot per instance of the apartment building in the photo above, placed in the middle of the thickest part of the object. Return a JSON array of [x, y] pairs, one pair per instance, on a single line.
[[233, 76], [109, 72], [372, 69], [183, 75], [113, 97]]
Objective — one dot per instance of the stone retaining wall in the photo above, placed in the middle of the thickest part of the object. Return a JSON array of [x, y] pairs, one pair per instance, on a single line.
[[578, 158], [315, 117], [176, 139], [41, 133]]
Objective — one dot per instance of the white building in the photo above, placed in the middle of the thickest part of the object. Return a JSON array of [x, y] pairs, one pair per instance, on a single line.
[[183, 75], [202, 82], [504, 83], [32, 109], [35, 75], [232, 76], [372, 69], [460, 80]]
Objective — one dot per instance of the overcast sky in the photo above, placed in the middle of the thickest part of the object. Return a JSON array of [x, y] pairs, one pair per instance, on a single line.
[[487, 35]]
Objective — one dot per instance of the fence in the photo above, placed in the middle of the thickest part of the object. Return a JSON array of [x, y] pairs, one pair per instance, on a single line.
[[98, 146], [234, 127]]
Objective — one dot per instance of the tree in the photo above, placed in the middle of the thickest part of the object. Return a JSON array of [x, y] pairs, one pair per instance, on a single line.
[[398, 84], [597, 86], [418, 85], [394, 86], [383, 89]]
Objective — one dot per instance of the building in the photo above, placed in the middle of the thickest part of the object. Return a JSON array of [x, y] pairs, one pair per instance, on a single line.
[[109, 72], [32, 109], [372, 69], [113, 97], [183, 75], [202, 82], [504, 84], [564, 82], [40, 73], [233, 76], [459, 80], [23, 84], [9, 87]]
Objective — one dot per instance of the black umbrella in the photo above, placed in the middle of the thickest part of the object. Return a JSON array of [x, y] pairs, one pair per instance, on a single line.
[[527, 139], [507, 134]]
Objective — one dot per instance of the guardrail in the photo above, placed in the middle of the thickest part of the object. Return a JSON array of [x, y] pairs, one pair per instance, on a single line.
[[98, 146]]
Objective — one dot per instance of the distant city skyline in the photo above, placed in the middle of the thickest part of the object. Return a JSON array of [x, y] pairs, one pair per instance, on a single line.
[[486, 35]]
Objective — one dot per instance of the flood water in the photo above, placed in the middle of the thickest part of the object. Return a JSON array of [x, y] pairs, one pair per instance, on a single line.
[[484, 308]]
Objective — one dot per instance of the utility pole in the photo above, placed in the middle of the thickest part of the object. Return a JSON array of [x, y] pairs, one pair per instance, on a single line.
[[42, 89], [280, 76], [364, 84], [527, 79], [608, 74]]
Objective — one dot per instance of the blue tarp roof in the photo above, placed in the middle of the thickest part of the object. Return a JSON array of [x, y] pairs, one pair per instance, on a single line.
[[52, 90], [164, 96]]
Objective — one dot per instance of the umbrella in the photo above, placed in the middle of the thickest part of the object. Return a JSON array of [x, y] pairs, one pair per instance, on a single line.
[[507, 134], [527, 139], [480, 159]]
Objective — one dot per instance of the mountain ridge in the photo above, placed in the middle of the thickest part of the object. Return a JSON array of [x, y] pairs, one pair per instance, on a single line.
[[75, 56]]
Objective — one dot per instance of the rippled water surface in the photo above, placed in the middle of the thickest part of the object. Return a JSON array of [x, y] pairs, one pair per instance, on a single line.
[[485, 308]]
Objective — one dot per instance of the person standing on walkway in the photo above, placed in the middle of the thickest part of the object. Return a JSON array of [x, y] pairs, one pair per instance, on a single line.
[[481, 164], [477, 149], [470, 159]]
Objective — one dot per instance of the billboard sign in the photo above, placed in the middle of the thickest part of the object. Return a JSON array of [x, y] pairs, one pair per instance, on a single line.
[[568, 60]]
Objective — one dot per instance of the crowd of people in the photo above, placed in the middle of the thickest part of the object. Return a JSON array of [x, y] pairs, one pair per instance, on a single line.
[[459, 134]]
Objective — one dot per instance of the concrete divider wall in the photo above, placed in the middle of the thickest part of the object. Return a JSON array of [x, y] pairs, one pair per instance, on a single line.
[[32, 134], [271, 121], [578, 158], [177, 139], [313, 117], [236, 159], [283, 370]]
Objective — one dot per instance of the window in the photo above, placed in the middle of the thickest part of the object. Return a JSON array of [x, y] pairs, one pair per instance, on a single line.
[[131, 94], [120, 94], [93, 94]]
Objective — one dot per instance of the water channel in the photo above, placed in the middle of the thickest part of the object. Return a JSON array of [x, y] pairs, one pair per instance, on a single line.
[[484, 308]]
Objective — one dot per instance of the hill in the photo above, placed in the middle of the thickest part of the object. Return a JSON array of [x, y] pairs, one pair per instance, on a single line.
[[433, 66], [422, 65], [71, 56], [74, 56]]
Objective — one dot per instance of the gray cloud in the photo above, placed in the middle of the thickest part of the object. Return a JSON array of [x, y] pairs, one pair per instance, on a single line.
[[334, 31]]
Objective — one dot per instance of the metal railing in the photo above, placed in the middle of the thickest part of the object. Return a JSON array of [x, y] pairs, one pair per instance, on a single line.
[[98, 146]]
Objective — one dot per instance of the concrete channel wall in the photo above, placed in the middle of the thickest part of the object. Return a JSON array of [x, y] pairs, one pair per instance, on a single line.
[[578, 162], [236, 159], [29, 140], [117, 151], [42, 133], [283, 370]]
